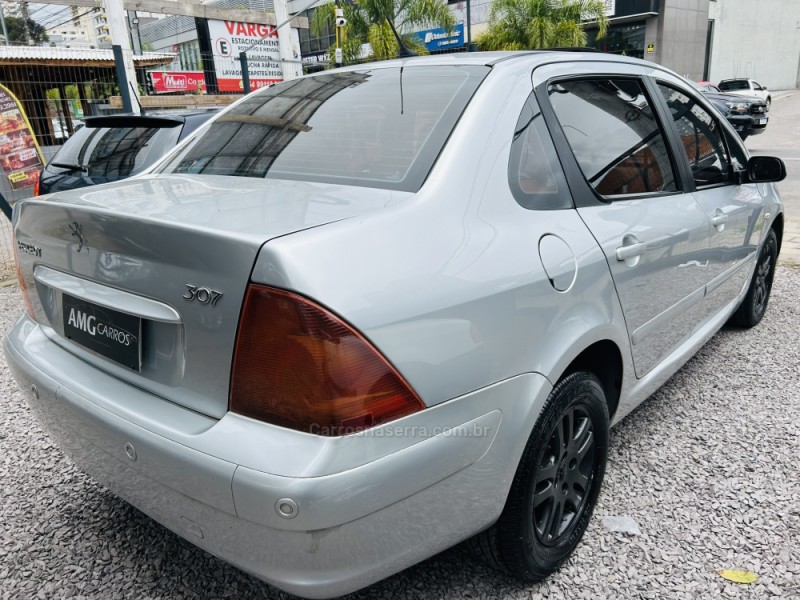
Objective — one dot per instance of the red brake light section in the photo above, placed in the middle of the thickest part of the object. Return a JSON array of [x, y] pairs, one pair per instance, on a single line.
[[298, 365]]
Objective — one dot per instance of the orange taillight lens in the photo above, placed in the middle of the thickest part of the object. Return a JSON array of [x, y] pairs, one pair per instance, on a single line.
[[298, 365]]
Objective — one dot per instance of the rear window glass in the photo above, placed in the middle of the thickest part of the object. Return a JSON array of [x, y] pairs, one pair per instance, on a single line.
[[739, 84], [71, 153], [120, 152], [380, 128]]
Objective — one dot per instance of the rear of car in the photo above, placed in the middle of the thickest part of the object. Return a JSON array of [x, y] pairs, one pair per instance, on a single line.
[[115, 147]]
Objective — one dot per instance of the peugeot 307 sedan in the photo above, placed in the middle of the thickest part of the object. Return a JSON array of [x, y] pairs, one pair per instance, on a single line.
[[361, 316]]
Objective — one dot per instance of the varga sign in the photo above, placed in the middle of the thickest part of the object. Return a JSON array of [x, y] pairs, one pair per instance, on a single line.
[[251, 29]]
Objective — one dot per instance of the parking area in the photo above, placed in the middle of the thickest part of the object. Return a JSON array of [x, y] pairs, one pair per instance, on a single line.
[[707, 468]]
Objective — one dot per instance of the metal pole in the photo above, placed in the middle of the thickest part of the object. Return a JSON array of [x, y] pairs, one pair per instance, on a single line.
[[5, 207], [118, 28], [3, 21], [469, 28], [245, 72], [122, 79], [290, 64]]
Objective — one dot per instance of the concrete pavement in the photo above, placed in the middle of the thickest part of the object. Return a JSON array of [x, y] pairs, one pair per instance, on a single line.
[[782, 139]]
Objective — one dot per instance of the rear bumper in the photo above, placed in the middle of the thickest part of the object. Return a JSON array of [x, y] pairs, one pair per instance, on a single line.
[[347, 529]]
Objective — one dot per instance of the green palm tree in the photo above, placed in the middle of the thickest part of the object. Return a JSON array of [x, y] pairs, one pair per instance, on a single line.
[[372, 20], [530, 24]]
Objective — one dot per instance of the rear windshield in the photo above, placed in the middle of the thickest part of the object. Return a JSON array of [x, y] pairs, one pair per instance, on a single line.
[[735, 84], [120, 152], [379, 128], [70, 153]]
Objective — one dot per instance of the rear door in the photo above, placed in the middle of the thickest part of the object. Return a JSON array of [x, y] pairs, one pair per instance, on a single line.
[[632, 197]]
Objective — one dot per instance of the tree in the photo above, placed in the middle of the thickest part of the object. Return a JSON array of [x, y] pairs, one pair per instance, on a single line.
[[531, 24], [16, 31], [372, 20]]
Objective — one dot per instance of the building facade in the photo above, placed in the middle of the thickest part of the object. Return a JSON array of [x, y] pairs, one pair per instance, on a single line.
[[759, 40]]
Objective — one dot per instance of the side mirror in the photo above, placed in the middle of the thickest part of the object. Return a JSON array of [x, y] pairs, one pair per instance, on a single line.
[[765, 169]]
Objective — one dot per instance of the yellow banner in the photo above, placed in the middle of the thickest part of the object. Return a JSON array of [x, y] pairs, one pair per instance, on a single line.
[[20, 156]]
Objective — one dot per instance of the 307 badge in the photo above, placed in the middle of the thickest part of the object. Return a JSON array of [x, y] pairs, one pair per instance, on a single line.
[[202, 295]]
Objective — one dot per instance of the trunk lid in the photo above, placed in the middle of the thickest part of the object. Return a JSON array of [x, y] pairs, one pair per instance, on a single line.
[[164, 260]]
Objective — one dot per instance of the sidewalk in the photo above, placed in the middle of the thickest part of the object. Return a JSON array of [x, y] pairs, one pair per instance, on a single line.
[[790, 248]]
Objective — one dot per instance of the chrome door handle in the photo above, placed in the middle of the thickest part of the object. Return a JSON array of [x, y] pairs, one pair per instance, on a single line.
[[631, 251], [719, 219]]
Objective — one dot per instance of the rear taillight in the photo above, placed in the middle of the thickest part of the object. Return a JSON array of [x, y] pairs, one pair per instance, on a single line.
[[36, 184], [298, 365], [26, 299]]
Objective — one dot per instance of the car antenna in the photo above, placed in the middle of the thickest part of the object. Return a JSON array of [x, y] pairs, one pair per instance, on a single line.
[[136, 97], [404, 51]]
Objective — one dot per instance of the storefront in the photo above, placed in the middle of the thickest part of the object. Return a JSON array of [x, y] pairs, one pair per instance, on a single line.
[[627, 39]]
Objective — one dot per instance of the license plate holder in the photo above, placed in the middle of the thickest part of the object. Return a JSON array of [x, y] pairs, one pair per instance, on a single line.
[[110, 333]]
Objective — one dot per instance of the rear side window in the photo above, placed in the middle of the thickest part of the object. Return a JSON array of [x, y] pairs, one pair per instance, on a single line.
[[379, 128], [534, 173], [120, 152], [614, 135]]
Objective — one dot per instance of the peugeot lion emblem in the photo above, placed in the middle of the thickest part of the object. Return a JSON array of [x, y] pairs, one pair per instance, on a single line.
[[77, 231]]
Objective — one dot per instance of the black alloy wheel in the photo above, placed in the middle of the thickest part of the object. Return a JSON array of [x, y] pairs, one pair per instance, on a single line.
[[556, 484], [564, 476], [754, 305]]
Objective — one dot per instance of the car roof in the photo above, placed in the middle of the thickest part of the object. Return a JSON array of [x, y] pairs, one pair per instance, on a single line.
[[507, 58]]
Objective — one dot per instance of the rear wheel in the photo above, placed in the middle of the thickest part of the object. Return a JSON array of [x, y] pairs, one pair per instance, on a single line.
[[754, 305], [556, 484]]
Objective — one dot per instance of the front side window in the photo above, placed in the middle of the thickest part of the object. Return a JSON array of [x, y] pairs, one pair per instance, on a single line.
[[614, 135], [701, 138], [377, 128]]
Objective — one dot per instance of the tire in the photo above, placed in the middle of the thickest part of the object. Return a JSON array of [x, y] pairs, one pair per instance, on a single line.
[[530, 541], [754, 305], [769, 104]]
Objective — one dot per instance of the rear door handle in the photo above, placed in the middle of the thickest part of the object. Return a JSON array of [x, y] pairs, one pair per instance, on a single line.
[[631, 251]]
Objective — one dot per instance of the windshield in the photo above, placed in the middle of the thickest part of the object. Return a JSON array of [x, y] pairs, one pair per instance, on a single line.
[[378, 128]]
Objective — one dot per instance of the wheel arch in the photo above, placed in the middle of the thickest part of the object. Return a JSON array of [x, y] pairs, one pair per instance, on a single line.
[[777, 225], [604, 359]]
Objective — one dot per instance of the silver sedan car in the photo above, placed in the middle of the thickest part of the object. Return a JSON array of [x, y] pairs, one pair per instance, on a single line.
[[361, 316]]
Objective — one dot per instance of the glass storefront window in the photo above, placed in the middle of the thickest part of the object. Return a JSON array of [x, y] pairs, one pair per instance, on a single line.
[[626, 39]]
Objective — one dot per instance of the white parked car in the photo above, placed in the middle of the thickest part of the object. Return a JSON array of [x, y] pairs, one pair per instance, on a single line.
[[746, 87]]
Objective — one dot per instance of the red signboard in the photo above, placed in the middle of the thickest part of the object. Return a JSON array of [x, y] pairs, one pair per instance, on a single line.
[[186, 82]]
